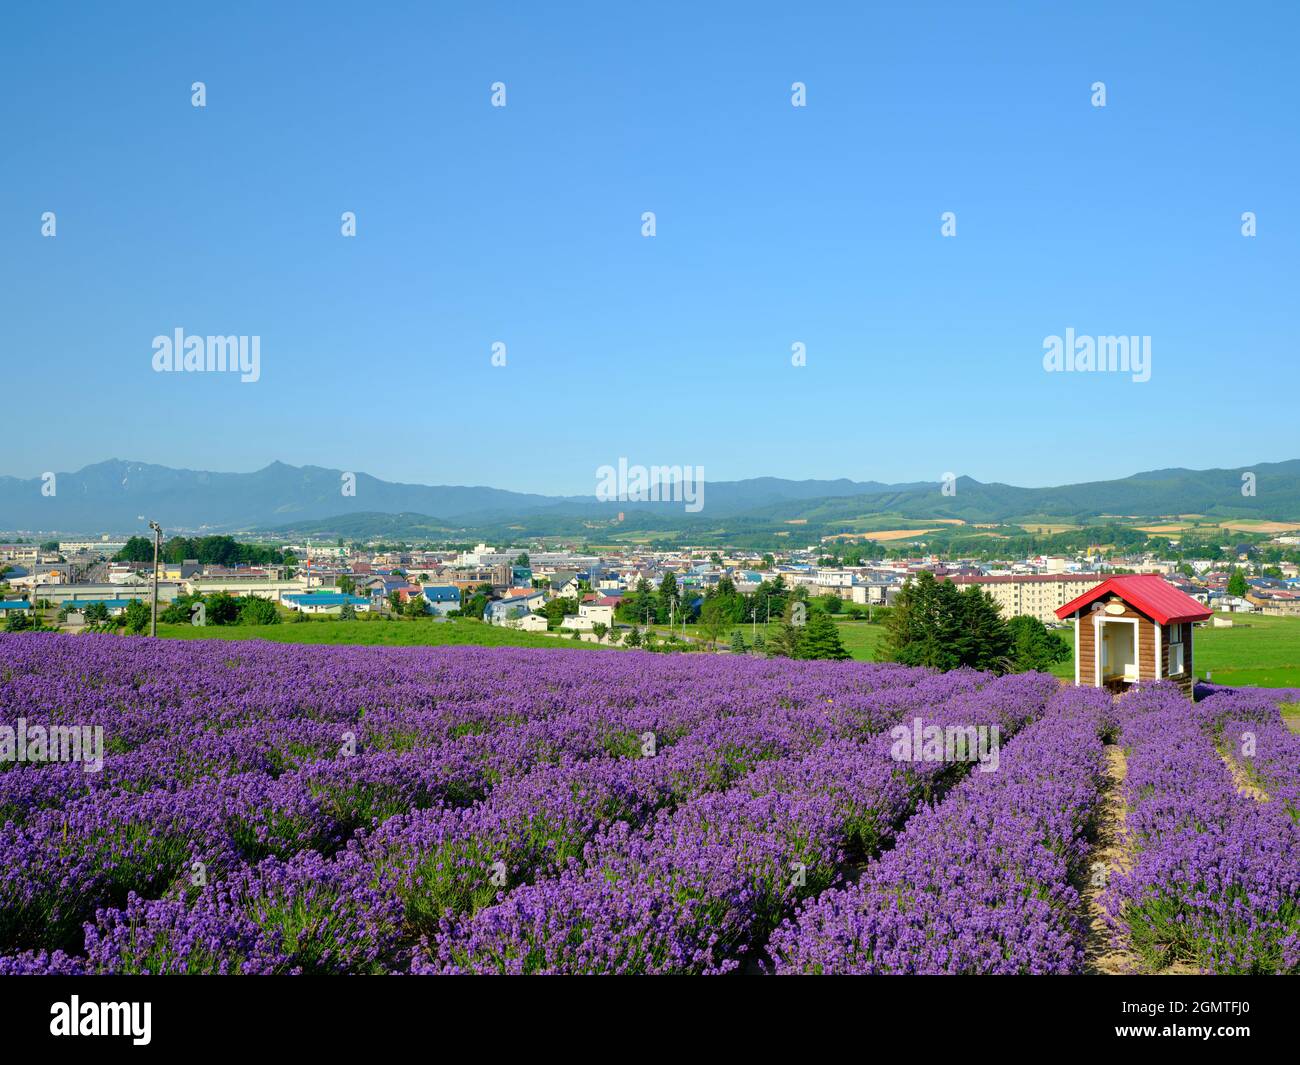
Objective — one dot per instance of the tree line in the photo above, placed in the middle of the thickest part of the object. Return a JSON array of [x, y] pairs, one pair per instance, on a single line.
[[206, 550]]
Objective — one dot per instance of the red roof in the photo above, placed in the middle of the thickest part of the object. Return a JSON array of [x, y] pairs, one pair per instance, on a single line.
[[1152, 595]]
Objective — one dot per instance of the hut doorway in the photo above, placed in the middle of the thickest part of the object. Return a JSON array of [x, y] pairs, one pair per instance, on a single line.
[[1119, 650]]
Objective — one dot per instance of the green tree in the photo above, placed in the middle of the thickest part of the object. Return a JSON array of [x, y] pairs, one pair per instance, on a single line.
[[558, 609], [771, 598], [177, 611], [669, 598], [640, 605], [734, 607], [136, 549], [346, 584], [933, 624], [714, 619], [138, 616], [784, 642], [1237, 583], [821, 639], [984, 640], [223, 609], [477, 602], [832, 604], [1034, 646], [96, 613], [254, 610], [738, 642]]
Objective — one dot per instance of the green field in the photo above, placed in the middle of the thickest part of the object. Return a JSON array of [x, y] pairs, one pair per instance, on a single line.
[[1258, 652], [1255, 652], [408, 632]]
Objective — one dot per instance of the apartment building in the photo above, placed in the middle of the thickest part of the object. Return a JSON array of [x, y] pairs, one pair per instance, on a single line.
[[1037, 595], [91, 547]]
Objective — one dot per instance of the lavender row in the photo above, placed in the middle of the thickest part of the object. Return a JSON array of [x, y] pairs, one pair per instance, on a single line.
[[429, 865], [228, 772], [1215, 877], [173, 714], [61, 865], [980, 883], [700, 888], [1269, 754]]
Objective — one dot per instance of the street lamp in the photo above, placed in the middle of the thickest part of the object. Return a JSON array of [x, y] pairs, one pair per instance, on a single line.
[[153, 609]]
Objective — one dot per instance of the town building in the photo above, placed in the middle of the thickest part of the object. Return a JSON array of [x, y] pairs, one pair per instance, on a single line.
[[503, 611], [442, 598], [325, 602], [1036, 595]]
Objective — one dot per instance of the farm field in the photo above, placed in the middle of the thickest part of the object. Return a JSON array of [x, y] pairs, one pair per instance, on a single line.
[[1256, 652], [305, 809], [405, 632], [860, 639]]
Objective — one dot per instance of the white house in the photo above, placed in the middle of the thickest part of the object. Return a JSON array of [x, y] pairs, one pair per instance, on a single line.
[[502, 611], [596, 612], [527, 623], [600, 610], [566, 583]]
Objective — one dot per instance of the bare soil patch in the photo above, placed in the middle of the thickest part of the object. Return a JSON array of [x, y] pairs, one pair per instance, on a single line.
[[1244, 784], [1102, 957]]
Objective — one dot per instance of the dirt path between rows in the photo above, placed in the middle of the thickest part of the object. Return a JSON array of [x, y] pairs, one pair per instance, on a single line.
[[1109, 851], [1102, 955], [1244, 784]]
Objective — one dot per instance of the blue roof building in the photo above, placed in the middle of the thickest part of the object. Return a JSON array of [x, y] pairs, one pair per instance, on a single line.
[[442, 598]]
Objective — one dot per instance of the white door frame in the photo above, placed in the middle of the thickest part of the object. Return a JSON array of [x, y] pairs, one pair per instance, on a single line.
[[1101, 618], [1076, 648]]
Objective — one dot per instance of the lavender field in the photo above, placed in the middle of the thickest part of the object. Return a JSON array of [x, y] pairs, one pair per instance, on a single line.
[[287, 809]]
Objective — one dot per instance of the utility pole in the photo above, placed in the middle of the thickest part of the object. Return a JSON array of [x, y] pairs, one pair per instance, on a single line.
[[153, 607]]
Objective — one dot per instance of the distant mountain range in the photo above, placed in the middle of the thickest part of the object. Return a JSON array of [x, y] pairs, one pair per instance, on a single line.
[[115, 496]]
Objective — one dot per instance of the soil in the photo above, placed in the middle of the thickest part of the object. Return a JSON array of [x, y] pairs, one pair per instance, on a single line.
[[1244, 784], [1102, 956]]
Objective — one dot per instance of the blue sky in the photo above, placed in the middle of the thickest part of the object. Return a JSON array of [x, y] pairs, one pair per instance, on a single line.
[[775, 225]]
